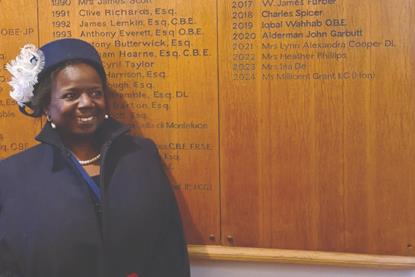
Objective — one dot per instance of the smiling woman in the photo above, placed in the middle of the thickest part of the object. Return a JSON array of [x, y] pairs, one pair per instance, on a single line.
[[92, 200], [77, 107]]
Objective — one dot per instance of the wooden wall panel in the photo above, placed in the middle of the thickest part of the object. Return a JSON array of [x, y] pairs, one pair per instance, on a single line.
[[359, 142], [307, 155], [329, 141], [394, 135], [379, 137], [410, 65], [277, 129], [16, 131], [242, 115]]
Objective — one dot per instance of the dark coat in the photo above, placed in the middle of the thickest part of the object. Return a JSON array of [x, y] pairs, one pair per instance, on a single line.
[[51, 226]]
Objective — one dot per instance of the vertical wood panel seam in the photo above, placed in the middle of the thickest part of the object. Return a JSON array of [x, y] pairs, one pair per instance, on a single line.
[[409, 66], [345, 197], [409, 236], [343, 166], [343, 185], [218, 127], [373, 140]]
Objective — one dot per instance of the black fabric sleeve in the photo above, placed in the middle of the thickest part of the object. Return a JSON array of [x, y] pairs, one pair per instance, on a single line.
[[170, 257], [8, 265]]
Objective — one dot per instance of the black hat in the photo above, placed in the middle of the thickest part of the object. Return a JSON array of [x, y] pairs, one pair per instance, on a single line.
[[58, 52]]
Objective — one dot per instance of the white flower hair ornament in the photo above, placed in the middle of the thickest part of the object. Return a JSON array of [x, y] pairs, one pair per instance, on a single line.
[[25, 70]]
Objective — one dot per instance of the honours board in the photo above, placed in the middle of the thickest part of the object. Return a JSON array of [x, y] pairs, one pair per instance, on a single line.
[[317, 101], [281, 124]]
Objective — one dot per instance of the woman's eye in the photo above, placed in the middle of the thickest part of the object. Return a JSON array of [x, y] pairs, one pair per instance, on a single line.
[[69, 96], [95, 93]]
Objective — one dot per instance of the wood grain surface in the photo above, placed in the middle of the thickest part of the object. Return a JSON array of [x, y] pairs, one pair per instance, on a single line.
[[324, 140], [282, 124]]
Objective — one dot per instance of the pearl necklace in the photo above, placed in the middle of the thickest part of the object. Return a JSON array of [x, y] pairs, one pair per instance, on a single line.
[[90, 161]]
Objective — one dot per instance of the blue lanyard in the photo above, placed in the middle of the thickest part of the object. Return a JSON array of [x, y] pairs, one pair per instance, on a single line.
[[91, 184]]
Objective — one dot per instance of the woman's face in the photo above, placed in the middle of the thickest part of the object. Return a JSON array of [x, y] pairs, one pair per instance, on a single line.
[[77, 104]]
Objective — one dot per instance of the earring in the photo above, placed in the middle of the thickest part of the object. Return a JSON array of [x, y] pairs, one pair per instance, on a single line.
[[106, 116], [50, 121]]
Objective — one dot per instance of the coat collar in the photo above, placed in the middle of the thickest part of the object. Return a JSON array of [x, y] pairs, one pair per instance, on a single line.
[[110, 130]]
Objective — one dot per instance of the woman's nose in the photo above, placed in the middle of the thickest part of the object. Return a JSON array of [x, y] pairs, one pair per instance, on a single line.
[[85, 100]]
